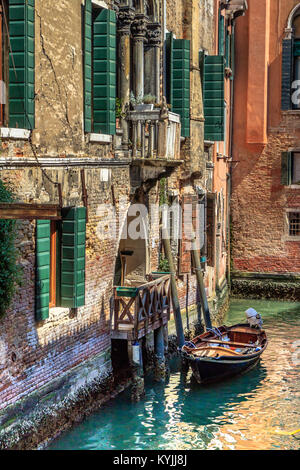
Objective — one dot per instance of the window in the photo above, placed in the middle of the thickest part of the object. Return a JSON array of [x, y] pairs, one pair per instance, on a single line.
[[290, 168], [54, 262], [60, 262], [294, 224], [290, 97], [99, 69], [210, 229]]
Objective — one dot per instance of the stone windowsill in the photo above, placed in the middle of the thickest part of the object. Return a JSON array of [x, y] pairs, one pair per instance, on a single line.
[[12, 133], [100, 138]]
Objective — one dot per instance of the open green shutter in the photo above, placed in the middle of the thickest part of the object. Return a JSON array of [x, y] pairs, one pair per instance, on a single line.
[[104, 73], [73, 257], [286, 168], [286, 74], [42, 279], [214, 74], [88, 66], [180, 99], [21, 64]]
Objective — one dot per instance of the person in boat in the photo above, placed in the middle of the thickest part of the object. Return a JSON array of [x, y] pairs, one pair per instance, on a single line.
[[254, 318]]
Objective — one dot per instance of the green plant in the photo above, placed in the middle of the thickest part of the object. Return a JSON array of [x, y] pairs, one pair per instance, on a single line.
[[164, 265], [136, 100], [163, 198], [9, 270], [119, 108], [149, 99]]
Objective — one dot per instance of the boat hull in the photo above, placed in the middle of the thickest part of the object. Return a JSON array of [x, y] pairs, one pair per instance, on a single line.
[[207, 371]]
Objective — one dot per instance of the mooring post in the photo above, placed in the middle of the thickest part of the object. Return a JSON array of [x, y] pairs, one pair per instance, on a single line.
[[200, 282], [175, 300], [136, 363], [159, 348]]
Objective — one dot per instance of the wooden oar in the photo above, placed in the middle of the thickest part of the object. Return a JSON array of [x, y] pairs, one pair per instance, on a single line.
[[230, 343]]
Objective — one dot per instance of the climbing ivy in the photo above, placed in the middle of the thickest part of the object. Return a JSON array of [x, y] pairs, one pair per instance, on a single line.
[[163, 198], [9, 271]]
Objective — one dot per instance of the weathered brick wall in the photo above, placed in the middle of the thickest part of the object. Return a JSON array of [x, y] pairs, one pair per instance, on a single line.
[[259, 204]]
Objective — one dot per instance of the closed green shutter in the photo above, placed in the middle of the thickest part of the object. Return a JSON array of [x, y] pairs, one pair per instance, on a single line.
[[104, 73], [286, 168], [73, 257], [214, 105], [42, 280], [181, 83], [221, 46], [88, 66], [286, 75], [21, 64]]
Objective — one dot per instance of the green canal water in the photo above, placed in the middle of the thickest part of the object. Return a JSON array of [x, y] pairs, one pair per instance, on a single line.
[[245, 412]]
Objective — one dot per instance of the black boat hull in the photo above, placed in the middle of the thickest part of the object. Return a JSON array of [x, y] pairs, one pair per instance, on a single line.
[[207, 370]]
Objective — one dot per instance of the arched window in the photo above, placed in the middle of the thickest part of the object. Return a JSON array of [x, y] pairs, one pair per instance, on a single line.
[[296, 56], [291, 62]]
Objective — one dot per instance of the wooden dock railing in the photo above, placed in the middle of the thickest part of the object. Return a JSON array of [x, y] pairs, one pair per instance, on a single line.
[[139, 310]]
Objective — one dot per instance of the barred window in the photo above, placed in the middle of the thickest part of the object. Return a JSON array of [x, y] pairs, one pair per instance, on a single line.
[[294, 224]]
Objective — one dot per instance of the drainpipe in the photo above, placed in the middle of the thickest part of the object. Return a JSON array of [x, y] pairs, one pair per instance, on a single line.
[[229, 179]]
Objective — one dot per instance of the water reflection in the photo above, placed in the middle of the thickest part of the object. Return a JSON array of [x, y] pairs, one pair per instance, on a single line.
[[241, 413]]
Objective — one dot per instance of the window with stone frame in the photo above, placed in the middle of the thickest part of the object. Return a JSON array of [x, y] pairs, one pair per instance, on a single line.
[[290, 168], [4, 57], [294, 223]]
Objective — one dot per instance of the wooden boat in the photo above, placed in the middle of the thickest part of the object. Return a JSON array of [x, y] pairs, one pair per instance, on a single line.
[[225, 351]]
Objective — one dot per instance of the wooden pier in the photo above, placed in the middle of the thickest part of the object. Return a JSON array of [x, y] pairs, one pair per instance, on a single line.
[[137, 311]]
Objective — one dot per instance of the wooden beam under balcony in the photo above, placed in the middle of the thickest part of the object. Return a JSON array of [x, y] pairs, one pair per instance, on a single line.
[[20, 211]]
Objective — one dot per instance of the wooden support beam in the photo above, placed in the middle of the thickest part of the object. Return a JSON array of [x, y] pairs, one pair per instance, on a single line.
[[16, 211]]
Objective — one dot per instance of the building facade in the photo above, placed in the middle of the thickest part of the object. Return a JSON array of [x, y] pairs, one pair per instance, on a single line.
[[266, 192], [109, 111]]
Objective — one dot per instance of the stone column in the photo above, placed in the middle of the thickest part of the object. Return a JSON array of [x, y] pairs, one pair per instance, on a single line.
[[125, 18], [139, 37], [152, 59]]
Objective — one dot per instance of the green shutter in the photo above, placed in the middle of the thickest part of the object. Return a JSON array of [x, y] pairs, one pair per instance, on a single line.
[[221, 34], [88, 66], [42, 280], [214, 73], [180, 100], [73, 257], [286, 168], [104, 73], [21, 64]]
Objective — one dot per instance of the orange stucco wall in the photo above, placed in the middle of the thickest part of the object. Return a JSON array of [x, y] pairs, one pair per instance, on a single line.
[[261, 132]]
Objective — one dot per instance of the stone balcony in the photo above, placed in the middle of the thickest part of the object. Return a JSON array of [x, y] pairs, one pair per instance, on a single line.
[[155, 144]]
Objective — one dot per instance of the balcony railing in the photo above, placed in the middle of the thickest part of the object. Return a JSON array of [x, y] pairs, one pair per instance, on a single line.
[[153, 137], [139, 310]]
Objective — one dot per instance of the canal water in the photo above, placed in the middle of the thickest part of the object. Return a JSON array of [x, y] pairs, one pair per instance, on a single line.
[[245, 412]]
